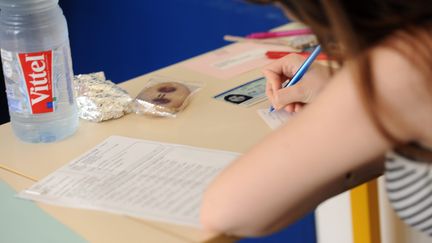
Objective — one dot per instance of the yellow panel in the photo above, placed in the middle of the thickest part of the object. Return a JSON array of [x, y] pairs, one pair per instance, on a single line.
[[365, 214]]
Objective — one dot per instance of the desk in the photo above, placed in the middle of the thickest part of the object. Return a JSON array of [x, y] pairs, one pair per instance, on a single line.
[[206, 122]]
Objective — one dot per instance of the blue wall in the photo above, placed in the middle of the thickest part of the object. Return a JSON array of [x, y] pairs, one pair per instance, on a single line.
[[133, 37]]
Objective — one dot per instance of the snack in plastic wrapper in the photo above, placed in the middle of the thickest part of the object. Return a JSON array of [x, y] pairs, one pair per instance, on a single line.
[[164, 97], [302, 42], [99, 99]]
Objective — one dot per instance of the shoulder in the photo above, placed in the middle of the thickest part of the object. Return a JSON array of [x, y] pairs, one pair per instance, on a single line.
[[403, 88]]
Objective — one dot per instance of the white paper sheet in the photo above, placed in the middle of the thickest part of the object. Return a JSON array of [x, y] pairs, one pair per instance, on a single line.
[[232, 60], [139, 178], [274, 119]]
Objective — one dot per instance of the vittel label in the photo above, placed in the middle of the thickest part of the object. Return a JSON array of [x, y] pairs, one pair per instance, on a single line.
[[37, 72]]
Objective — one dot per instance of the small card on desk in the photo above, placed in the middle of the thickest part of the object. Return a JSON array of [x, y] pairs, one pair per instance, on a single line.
[[274, 119], [246, 94]]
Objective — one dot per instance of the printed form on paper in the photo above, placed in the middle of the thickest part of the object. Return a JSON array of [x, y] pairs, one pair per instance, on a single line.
[[139, 178]]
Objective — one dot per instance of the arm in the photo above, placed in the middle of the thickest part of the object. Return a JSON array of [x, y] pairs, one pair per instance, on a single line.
[[300, 165]]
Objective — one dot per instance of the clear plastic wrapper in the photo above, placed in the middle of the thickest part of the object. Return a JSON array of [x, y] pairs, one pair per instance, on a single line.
[[302, 42], [164, 97], [99, 99]]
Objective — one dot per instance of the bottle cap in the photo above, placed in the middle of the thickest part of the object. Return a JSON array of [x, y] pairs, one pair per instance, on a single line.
[[24, 6]]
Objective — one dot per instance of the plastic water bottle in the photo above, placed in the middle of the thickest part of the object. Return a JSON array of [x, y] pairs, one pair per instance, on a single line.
[[37, 69]]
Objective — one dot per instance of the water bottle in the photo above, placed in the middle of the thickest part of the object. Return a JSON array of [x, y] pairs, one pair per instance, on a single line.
[[37, 68]]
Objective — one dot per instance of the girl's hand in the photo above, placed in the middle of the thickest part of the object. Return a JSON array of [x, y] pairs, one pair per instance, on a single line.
[[293, 98]]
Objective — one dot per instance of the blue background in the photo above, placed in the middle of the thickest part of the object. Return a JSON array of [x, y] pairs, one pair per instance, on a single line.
[[129, 38], [132, 37]]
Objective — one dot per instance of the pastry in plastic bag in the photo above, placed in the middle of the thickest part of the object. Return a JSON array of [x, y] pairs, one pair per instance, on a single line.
[[162, 97]]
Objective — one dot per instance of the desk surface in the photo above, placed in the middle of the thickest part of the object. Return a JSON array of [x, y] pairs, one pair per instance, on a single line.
[[206, 122]]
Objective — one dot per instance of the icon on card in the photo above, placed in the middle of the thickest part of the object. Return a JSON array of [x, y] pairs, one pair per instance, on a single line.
[[246, 94]]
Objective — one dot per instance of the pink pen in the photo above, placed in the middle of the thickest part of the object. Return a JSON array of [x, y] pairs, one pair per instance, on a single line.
[[264, 35]]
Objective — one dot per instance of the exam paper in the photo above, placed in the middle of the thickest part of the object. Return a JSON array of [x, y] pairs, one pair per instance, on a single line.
[[138, 178], [274, 119]]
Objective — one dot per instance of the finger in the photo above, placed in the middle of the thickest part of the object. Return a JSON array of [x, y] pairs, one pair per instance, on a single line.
[[289, 108], [292, 63], [289, 95], [273, 80], [298, 107], [283, 68], [273, 83], [269, 90]]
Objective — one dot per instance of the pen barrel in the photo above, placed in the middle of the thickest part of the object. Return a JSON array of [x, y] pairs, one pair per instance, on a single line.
[[304, 67]]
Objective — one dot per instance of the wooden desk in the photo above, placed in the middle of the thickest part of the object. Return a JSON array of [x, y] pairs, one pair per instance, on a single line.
[[206, 122]]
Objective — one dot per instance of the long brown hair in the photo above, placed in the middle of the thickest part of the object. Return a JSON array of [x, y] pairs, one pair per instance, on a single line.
[[356, 26]]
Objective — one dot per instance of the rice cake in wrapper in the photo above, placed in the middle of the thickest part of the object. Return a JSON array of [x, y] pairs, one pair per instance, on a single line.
[[164, 96]]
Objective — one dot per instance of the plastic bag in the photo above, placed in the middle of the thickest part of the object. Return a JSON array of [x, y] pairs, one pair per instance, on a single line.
[[164, 97], [99, 99]]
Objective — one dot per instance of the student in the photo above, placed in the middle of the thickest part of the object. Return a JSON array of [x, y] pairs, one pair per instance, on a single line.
[[377, 105]]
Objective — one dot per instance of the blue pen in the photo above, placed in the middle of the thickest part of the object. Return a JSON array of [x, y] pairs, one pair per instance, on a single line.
[[302, 70]]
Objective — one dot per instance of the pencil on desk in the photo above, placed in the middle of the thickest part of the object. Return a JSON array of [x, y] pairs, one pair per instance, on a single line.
[[258, 41], [3, 167], [275, 34], [302, 70]]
